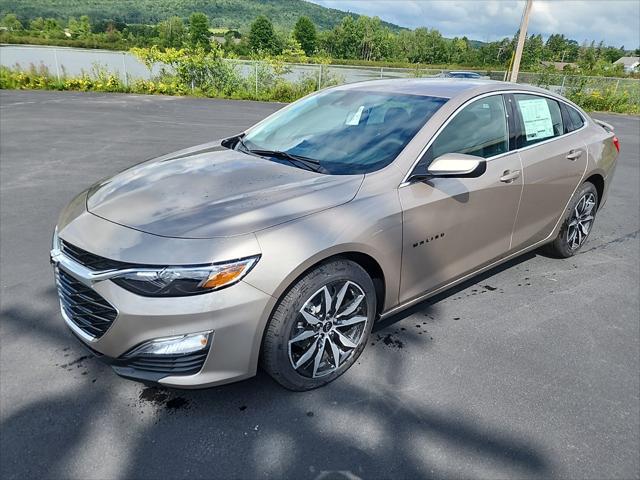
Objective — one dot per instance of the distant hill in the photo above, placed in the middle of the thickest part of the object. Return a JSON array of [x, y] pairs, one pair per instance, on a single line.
[[222, 13]]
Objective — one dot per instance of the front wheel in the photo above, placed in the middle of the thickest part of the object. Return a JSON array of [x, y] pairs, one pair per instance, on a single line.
[[320, 327], [577, 223]]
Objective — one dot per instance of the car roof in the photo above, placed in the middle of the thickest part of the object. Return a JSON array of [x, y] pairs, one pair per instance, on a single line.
[[429, 87], [439, 87]]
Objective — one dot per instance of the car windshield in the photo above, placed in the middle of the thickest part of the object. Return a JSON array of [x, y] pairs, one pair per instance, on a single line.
[[344, 131]]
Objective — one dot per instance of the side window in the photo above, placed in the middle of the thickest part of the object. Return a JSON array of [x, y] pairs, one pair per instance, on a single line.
[[479, 129], [576, 119], [540, 117]]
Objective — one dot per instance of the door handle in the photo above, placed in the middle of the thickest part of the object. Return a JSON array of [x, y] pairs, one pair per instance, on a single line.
[[508, 176], [574, 155]]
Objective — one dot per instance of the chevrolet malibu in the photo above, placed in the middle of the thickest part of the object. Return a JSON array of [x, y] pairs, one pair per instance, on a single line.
[[281, 246]]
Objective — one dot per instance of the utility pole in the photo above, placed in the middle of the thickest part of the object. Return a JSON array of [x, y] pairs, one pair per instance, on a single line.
[[521, 38]]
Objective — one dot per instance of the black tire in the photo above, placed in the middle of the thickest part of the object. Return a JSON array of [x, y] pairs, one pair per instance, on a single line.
[[276, 358], [561, 247]]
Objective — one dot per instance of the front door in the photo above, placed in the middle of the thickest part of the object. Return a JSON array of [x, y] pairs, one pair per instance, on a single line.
[[451, 226]]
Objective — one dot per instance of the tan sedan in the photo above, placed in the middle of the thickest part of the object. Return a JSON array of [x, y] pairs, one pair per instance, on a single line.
[[282, 246]]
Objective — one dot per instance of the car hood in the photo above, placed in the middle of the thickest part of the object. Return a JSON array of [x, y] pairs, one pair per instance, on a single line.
[[211, 192]]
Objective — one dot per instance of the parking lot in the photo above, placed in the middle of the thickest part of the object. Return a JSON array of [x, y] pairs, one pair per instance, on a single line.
[[530, 370]]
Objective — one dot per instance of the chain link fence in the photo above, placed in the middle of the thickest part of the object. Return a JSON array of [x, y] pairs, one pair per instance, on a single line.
[[64, 62], [561, 83]]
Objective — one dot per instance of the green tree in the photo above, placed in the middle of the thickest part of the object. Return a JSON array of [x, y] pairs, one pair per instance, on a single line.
[[37, 24], [292, 50], [52, 26], [304, 32], [496, 53], [346, 39], [171, 32], [199, 31], [11, 22], [80, 28], [588, 57], [230, 40], [533, 52], [459, 49], [426, 46], [262, 37], [373, 38], [558, 48], [611, 54]]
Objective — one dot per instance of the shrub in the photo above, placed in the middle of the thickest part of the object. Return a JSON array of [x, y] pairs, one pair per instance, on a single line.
[[606, 100]]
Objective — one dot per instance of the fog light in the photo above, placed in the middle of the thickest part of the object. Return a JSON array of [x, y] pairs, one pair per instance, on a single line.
[[178, 345]]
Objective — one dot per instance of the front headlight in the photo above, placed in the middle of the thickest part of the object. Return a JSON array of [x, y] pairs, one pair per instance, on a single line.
[[182, 281]]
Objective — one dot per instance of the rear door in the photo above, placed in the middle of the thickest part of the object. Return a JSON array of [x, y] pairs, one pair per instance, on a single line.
[[451, 226], [554, 159]]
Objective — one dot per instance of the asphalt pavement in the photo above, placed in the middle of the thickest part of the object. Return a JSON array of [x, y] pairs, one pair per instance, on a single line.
[[529, 371]]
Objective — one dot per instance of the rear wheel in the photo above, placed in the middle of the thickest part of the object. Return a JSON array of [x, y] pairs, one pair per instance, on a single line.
[[577, 223], [320, 327]]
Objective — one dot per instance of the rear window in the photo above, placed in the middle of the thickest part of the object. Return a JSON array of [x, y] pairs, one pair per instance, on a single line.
[[540, 117], [576, 120]]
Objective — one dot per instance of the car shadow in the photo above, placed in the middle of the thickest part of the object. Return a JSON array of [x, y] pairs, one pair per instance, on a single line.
[[428, 306], [360, 426]]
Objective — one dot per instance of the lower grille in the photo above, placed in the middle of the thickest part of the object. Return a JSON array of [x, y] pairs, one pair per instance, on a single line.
[[84, 307], [185, 364]]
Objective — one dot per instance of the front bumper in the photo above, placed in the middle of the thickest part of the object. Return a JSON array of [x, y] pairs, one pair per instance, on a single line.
[[236, 316]]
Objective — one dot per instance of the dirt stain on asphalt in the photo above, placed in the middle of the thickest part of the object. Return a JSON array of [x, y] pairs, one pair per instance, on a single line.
[[177, 403], [161, 398], [77, 362], [389, 340], [476, 291]]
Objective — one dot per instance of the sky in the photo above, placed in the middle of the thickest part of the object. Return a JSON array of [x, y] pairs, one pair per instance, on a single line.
[[616, 22]]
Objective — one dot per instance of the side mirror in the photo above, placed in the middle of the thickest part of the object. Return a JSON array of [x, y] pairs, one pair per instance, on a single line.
[[231, 142], [457, 165]]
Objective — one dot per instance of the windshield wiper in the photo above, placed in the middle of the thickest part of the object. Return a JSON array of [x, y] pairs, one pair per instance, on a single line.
[[308, 163]]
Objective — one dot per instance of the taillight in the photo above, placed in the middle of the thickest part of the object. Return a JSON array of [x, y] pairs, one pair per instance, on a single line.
[[616, 142]]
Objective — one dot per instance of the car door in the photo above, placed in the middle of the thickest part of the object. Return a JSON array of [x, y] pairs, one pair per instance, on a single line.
[[553, 160], [451, 226]]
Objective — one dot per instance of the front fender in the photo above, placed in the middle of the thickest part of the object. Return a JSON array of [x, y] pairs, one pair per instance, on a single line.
[[370, 226]]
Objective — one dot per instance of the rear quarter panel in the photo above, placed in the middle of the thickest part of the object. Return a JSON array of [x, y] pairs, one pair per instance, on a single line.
[[602, 155]]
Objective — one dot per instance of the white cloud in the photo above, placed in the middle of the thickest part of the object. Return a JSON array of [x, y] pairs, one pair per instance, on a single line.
[[616, 22]]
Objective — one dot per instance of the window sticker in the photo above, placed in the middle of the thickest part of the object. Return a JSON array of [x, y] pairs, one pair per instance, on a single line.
[[537, 118], [355, 119]]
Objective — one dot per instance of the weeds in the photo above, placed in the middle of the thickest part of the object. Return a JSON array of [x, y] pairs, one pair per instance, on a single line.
[[207, 74]]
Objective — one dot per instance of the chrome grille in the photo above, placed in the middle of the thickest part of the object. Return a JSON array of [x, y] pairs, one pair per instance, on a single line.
[[84, 306], [89, 260]]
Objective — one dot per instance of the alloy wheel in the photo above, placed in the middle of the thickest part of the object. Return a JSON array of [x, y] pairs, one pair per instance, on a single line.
[[581, 221], [329, 328]]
